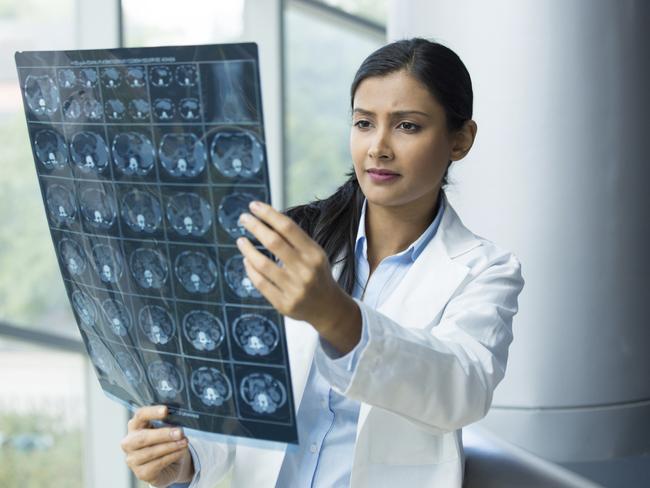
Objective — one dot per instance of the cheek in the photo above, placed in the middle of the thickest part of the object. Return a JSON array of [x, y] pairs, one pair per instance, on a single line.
[[357, 148]]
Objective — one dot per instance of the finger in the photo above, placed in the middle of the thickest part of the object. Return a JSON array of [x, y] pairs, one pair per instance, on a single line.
[[282, 224], [151, 470], [143, 415], [269, 238], [149, 437], [262, 264], [265, 287], [143, 456]]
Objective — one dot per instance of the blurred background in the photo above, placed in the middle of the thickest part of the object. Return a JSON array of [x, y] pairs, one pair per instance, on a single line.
[[558, 175]]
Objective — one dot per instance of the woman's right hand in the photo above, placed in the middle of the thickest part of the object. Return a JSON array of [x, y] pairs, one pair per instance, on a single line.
[[160, 456]]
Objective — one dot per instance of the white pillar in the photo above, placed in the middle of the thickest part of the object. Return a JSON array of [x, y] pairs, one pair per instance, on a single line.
[[559, 174]]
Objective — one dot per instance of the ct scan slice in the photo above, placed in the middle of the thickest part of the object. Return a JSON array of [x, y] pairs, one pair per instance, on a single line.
[[146, 158]]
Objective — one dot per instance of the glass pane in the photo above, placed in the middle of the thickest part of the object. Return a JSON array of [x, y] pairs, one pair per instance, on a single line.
[[373, 10], [31, 289], [156, 23], [318, 103], [42, 417]]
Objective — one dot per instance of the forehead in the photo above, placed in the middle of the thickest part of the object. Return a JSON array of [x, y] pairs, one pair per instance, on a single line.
[[395, 91]]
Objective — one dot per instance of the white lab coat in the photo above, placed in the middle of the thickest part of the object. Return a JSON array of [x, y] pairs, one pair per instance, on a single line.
[[437, 348]]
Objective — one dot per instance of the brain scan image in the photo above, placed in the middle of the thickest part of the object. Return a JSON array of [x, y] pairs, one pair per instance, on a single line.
[[146, 158], [72, 108], [67, 78], [111, 77], [133, 154], [130, 368], [87, 77], [160, 76], [141, 212], [61, 205], [165, 378], [117, 316], [148, 267], [182, 155], [236, 153], [189, 214], [255, 334], [85, 308], [73, 256], [98, 208], [190, 109], [238, 280], [230, 208], [41, 94], [108, 263], [163, 108], [100, 356], [210, 386], [51, 149], [135, 77], [186, 75], [156, 323], [203, 330], [92, 108], [263, 393], [115, 109], [139, 109], [196, 271], [89, 152]]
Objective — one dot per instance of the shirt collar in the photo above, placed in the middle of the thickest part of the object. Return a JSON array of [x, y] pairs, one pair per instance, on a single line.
[[415, 248]]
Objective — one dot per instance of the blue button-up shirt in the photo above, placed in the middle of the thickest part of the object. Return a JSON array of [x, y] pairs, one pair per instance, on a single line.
[[327, 421]]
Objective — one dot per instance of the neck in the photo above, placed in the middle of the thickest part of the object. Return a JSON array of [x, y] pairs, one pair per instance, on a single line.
[[390, 230]]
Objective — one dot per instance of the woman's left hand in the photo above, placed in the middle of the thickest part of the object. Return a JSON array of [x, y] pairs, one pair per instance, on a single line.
[[302, 287]]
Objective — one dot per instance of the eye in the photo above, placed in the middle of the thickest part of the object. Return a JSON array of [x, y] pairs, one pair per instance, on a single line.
[[362, 124], [409, 126]]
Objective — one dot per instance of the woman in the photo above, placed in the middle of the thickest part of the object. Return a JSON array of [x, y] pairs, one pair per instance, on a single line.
[[402, 342]]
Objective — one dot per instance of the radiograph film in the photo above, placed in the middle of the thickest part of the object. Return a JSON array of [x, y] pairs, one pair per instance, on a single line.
[[146, 158]]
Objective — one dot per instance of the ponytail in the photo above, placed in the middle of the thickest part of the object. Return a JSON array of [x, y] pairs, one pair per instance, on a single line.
[[332, 223]]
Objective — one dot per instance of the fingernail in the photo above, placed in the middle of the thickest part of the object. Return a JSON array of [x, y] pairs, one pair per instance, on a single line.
[[176, 434], [161, 410], [245, 217], [255, 205], [182, 442]]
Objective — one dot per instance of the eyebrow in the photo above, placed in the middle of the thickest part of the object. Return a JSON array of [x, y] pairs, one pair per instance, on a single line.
[[398, 113]]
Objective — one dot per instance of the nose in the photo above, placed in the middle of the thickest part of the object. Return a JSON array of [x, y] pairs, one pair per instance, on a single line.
[[380, 146]]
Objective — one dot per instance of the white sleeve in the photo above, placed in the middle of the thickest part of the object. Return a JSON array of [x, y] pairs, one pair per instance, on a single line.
[[212, 461], [442, 377]]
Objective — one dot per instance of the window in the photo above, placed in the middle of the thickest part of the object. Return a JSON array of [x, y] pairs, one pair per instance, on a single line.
[[318, 102]]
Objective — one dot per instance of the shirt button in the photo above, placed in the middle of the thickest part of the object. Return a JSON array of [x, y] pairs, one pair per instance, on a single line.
[[323, 402], [313, 448]]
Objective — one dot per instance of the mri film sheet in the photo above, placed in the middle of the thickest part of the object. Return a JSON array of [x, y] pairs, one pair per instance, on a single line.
[[146, 158]]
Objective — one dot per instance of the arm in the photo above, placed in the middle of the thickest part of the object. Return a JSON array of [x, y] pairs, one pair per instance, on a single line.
[[441, 377]]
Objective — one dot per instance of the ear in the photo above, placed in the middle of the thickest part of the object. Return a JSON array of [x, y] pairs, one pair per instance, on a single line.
[[463, 139]]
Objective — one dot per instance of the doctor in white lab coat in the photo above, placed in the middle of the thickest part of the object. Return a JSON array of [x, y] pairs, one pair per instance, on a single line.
[[434, 350]]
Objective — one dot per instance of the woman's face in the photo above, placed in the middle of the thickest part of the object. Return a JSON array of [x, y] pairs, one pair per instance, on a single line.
[[398, 126]]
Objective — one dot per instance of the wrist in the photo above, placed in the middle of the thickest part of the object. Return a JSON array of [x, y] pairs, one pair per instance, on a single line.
[[341, 325], [187, 469]]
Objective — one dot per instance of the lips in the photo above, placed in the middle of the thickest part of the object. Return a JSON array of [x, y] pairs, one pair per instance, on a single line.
[[378, 171]]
